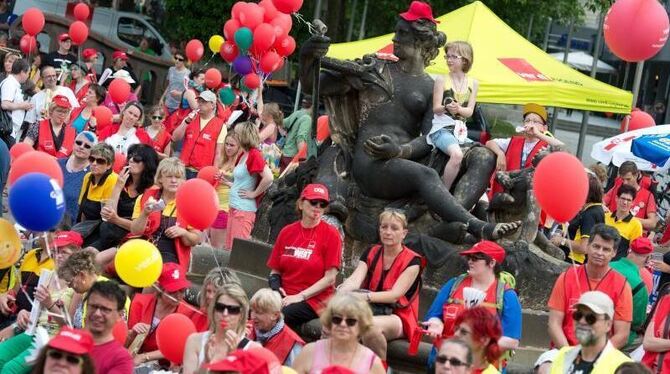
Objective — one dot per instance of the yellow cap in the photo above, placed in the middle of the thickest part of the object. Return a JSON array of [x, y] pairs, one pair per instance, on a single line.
[[537, 109]]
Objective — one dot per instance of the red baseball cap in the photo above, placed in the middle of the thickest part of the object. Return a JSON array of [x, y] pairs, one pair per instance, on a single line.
[[315, 192], [173, 278], [61, 101], [119, 54], [418, 10], [63, 37], [89, 52], [72, 341], [65, 238], [642, 245], [241, 362], [489, 248]]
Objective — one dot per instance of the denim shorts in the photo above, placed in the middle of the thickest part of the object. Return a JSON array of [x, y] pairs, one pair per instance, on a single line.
[[443, 138]]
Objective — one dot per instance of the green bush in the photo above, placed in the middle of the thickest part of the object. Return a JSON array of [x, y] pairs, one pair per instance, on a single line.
[[502, 129]]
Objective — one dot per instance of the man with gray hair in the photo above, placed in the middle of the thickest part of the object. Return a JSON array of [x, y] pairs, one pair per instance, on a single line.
[[42, 99], [593, 316]]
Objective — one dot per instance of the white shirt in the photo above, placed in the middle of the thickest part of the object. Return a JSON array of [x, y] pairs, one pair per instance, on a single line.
[[528, 146], [40, 100], [11, 91], [121, 143]]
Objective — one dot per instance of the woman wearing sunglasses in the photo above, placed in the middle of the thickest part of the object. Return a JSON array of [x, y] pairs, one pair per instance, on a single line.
[[454, 357], [122, 135], [175, 87], [160, 137], [305, 259], [390, 275], [228, 316], [347, 318], [82, 118], [481, 330], [67, 353]]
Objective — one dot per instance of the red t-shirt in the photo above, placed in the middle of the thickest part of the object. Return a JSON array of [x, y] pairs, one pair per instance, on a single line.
[[302, 257], [112, 358]]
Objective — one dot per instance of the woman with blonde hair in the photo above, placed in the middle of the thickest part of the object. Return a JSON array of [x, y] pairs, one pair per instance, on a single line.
[[160, 137], [228, 316], [272, 118], [454, 99], [251, 178], [214, 280], [231, 150], [347, 318]]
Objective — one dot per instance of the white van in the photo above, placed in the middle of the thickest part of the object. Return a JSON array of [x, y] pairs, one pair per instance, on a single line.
[[124, 28]]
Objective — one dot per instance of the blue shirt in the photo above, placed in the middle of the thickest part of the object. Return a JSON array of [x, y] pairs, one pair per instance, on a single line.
[[242, 180], [79, 123], [71, 187]]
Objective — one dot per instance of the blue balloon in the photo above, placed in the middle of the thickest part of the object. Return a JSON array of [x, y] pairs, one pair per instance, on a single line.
[[36, 202], [243, 65]]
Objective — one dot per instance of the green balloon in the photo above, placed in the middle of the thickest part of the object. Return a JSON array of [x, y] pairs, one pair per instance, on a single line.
[[243, 38], [227, 95]]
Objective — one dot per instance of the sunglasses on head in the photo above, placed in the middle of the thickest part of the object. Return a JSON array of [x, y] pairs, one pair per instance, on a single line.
[[156, 117], [590, 318], [82, 144], [443, 359], [71, 359], [97, 160], [320, 203], [337, 320], [232, 309]]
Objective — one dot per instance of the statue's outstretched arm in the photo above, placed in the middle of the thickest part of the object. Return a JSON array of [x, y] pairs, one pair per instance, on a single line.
[[331, 83]]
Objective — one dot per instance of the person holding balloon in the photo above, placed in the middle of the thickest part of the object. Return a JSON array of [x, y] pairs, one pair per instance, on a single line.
[[129, 131], [218, 229], [155, 215], [52, 135], [83, 118], [228, 317]]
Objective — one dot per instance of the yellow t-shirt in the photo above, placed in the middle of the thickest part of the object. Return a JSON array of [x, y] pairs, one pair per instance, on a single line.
[[222, 134], [98, 192], [170, 209], [224, 193]]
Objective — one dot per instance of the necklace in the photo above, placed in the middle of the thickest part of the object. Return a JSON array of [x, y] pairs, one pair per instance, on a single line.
[[330, 355], [459, 86]]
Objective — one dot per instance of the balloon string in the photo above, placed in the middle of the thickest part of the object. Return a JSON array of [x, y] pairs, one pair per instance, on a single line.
[[56, 279], [174, 300], [210, 59]]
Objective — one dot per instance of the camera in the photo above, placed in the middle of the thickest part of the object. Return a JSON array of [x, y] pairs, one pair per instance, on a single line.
[[447, 100]]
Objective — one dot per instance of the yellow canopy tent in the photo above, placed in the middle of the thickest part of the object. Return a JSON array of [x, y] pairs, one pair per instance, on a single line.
[[510, 69]]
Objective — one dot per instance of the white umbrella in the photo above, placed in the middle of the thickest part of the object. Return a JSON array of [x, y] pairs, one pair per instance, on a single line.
[[616, 149], [583, 61]]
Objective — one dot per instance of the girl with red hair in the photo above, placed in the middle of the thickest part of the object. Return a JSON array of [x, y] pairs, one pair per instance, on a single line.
[[480, 330]]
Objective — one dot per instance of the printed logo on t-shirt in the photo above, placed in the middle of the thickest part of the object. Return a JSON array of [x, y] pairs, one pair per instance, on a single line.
[[299, 252], [571, 304]]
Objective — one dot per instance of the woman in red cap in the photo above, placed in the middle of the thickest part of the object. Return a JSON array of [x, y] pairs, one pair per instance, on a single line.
[[90, 56], [67, 353], [482, 285], [53, 135], [305, 259], [147, 310], [390, 273]]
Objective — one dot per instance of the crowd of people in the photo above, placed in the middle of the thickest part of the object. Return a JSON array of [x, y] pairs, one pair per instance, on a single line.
[[121, 181]]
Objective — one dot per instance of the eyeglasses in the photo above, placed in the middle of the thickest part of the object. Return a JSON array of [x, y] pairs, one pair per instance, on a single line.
[[157, 117], [232, 309], [337, 320], [320, 203], [179, 59], [82, 144], [477, 257], [453, 361], [96, 160], [71, 359], [535, 121], [590, 318], [92, 308], [453, 57], [136, 159]]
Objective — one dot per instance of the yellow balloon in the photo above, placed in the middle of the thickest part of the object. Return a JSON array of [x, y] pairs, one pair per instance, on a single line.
[[138, 263], [215, 42], [10, 244]]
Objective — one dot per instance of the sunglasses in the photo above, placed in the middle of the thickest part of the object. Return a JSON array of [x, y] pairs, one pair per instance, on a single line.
[[477, 257], [320, 203], [337, 320], [179, 59], [71, 359], [232, 309], [136, 159], [157, 117], [82, 144], [442, 359], [96, 160], [590, 318]]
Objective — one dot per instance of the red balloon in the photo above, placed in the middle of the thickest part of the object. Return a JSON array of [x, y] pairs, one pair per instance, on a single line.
[[229, 28], [120, 332], [35, 162], [638, 120], [282, 24], [78, 32], [229, 51], [197, 203], [251, 15], [33, 21], [119, 90], [212, 78], [208, 174], [322, 129], [561, 185], [81, 12], [285, 45], [635, 30], [270, 62], [237, 9], [18, 149], [252, 81], [119, 162], [270, 10], [195, 50], [103, 117], [287, 6], [171, 335], [28, 44], [264, 38]]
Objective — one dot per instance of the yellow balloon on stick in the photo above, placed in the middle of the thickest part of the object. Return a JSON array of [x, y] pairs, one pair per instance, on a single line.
[[215, 42], [10, 244], [138, 263]]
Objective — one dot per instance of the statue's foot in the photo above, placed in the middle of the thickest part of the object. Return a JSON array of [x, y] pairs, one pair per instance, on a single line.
[[452, 232], [496, 231]]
